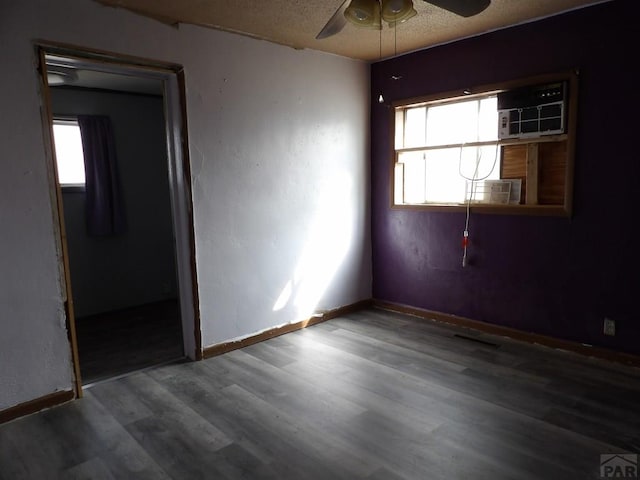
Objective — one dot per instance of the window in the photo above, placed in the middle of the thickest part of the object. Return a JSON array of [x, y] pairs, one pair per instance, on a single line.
[[443, 150], [69, 154], [462, 150]]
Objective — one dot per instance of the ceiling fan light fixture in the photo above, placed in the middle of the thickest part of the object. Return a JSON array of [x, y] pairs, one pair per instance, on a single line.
[[364, 13], [397, 11]]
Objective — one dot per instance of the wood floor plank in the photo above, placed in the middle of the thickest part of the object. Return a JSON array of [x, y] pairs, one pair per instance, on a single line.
[[384, 474], [175, 414], [252, 429], [371, 395], [268, 354], [35, 448], [93, 469], [275, 385], [498, 360], [345, 461], [180, 454]]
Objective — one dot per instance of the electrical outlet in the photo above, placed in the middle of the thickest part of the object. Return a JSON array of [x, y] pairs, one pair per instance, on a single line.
[[609, 327]]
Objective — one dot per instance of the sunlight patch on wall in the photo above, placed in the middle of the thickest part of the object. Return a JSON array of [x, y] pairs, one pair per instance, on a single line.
[[326, 248]]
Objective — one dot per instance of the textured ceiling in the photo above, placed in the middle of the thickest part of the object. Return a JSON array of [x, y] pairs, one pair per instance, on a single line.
[[296, 22]]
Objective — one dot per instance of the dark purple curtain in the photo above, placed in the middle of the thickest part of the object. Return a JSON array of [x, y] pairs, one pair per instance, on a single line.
[[103, 204]]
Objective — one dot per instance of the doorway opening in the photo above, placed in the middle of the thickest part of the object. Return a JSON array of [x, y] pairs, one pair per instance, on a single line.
[[126, 230]]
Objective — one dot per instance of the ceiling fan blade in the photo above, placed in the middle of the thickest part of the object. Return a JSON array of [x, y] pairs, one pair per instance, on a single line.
[[464, 8], [335, 23]]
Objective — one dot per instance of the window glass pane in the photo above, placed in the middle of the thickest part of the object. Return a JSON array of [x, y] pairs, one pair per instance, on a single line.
[[414, 127], [398, 187], [414, 176], [479, 163], [488, 120], [399, 140], [69, 154], [441, 175], [444, 183], [453, 123], [462, 122]]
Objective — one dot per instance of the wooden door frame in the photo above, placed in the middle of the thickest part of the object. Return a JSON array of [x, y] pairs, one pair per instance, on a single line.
[[172, 76]]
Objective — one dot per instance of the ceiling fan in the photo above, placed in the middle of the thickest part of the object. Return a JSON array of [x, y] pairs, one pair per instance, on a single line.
[[371, 13]]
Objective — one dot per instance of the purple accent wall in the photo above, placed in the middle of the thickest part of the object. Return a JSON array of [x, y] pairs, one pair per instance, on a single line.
[[548, 275]]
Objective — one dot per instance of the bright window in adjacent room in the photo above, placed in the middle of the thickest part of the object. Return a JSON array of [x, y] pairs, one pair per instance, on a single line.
[[69, 154], [444, 149]]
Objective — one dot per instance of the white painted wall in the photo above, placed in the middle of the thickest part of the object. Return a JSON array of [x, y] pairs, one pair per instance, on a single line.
[[279, 150]]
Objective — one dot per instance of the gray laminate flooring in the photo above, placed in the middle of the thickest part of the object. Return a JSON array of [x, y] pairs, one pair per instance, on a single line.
[[371, 395]]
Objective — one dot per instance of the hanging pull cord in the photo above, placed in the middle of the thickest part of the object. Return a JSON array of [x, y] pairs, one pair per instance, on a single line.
[[465, 244], [474, 179]]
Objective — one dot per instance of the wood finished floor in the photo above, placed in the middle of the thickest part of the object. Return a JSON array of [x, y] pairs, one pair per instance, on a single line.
[[372, 395], [110, 344]]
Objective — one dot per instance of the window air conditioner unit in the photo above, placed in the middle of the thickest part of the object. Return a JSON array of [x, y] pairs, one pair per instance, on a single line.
[[532, 111]]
